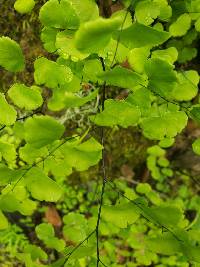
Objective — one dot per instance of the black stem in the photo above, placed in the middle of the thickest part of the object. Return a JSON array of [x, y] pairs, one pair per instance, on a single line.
[[104, 180]]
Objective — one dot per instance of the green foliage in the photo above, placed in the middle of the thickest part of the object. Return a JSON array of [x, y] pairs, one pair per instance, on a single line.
[[167, 124], [11, 57], [122, 77], [51, 74], [41, 186], [180, 26], [138, 35], [93, 36], [3, 221], [146, 12], [196, 146], [24, 6], [117, 113], [59, 14], [187, 87], [8, 113], [45, 232], [42, 130], [120, 215], [131, 67], [25, 97], [162, 77]]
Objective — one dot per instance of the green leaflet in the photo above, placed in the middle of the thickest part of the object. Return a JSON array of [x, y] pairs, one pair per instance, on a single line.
[[165, 10], [94, 35], [109, 51], [85, 9], [170, 54], [138, 35], [138, 57], [82, 156], [75, 227], [59, 168], [92, 69], [120, 215], [41, 186], [51, 74], [7, 175], [122, 77], [126, 17], [48, 37], [65, 43], [169, 216], [30, 154], [143, 188], [187, 86], [162, 77], [45, 232], [196, 146], [8, 114], [36, 252], [24, 6], [8, 152], [180, 26], [56, 102], [167, 125], [73, 155], [195, 113], [72, 100], [197, 25], [142, 99], [17, 201], [3, 221], [8, 202], [42, 130], [146, 11], [167, 244], [186, 54], [84, 251], [11, 57], [117, 113], [59, 14], [29, 98]]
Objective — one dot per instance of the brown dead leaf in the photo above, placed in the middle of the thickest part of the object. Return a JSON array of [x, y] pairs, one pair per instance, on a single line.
[[127, 171], [53, 216]]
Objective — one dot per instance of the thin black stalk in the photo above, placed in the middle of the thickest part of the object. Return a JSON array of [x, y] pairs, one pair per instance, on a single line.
[[104, 180]]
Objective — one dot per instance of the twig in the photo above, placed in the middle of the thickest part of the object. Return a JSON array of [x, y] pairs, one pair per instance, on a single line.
[[103, 263], [103, 170], [118, 38]]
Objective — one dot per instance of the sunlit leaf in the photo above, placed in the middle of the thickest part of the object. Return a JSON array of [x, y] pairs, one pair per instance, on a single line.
[[41, 186], [29, 98], [180, 26], [24, 6], [11, 57], [59, 14], [51, 74], [138, 35], [42, 130], [122, 77], [8, 114], [93, 36], [117, 113], [120, 215]]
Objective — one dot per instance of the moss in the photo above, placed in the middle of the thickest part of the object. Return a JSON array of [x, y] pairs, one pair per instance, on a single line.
[[24, 29]]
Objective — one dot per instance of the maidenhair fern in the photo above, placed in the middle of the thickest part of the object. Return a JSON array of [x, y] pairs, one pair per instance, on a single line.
[[93, 57]]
